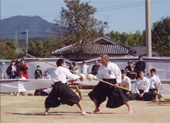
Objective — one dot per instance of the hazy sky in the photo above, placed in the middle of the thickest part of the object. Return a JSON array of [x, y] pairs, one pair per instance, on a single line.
[[123, 15]]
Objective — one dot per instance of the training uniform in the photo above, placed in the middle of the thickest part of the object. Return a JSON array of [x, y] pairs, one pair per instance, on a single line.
[[61, 92], [126, 83], [116, 97], [153, 80], [140, 87]]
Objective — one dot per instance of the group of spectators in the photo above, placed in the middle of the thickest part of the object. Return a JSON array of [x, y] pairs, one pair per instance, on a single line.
[[38, 75], [133, 71], [16, 68], [84, 68], [19, 70]]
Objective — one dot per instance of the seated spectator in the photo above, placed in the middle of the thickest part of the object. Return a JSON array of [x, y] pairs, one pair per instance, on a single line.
[[126, 83], [142, 87], [130, 70], [153, 79], [43, 91], [38, 73], [46, 76], [95, 68], [12, 70]]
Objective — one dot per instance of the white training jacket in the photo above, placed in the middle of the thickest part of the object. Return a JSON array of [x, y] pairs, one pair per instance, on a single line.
[[142, 85], [112, 71], [127, 82], [154, 79], [63, 74]]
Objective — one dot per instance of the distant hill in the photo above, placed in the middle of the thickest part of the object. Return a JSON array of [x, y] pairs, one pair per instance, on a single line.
[[37, 27]]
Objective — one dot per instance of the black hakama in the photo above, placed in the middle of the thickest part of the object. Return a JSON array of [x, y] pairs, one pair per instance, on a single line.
[[130, 96], [146, 96], [61, 94], [116, 97], [152, 94]]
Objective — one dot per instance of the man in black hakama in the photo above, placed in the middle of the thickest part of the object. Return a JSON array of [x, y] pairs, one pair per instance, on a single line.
[[61, 92], [109, 72]]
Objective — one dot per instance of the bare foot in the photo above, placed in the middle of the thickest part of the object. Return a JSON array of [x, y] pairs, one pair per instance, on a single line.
[[83, 113], [45, 113], [130, 112], [95, 111]]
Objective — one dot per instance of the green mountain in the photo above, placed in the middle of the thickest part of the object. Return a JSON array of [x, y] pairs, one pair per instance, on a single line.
[[37, 27]]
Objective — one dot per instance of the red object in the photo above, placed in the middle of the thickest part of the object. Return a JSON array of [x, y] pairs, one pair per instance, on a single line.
[[24, 75], [21, 72]]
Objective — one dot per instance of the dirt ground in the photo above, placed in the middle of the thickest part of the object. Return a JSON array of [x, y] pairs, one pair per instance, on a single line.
[[29, 109]]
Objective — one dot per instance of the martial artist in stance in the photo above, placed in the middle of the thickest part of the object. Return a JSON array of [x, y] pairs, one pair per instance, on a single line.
[[142, 87], [126, 83], [153, 79], [61, 92], [109, 72]]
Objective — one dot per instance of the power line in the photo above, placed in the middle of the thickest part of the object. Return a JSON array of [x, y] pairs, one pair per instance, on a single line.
[[109, 8], [129, 5]]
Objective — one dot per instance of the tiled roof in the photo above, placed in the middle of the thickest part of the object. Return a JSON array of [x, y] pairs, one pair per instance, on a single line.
[[112, 48], [141, 50]]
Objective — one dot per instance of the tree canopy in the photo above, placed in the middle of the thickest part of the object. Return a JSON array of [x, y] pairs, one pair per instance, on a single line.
[[161, 36], [79, 25]]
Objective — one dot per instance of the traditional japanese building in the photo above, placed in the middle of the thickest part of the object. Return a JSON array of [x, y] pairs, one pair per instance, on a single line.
[[103, 45]]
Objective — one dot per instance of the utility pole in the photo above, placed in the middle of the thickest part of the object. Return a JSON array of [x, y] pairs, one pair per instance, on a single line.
[[16, 38], [107, 23], [26, 42], [148, 28]]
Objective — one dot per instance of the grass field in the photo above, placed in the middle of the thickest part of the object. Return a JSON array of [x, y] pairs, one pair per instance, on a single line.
[[29, 109]]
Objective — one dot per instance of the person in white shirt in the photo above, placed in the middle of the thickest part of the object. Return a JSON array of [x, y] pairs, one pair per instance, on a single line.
[[109, 72], [84, 68], [126, 83], [46, 76], [61, 92], [142, 87], [21, 77], [153, 79]]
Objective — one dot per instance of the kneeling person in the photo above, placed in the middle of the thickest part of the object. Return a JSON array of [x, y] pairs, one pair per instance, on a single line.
[[153, 79], [126, 83], [142, 87], [61, 92]]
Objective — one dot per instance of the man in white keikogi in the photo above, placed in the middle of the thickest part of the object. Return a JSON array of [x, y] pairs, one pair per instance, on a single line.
[[142, 87], [153, 79], [109, 72], [61, 92], [126, 83]]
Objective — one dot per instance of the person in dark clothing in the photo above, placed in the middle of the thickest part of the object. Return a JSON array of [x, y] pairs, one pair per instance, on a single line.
[[130, 70], [95, 68], [38, 73], [140, 65], [12, 70]]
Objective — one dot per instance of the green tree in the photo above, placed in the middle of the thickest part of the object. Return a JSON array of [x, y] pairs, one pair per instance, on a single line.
[[79, 25], [161, 36], [6, 52], [43, 48]]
